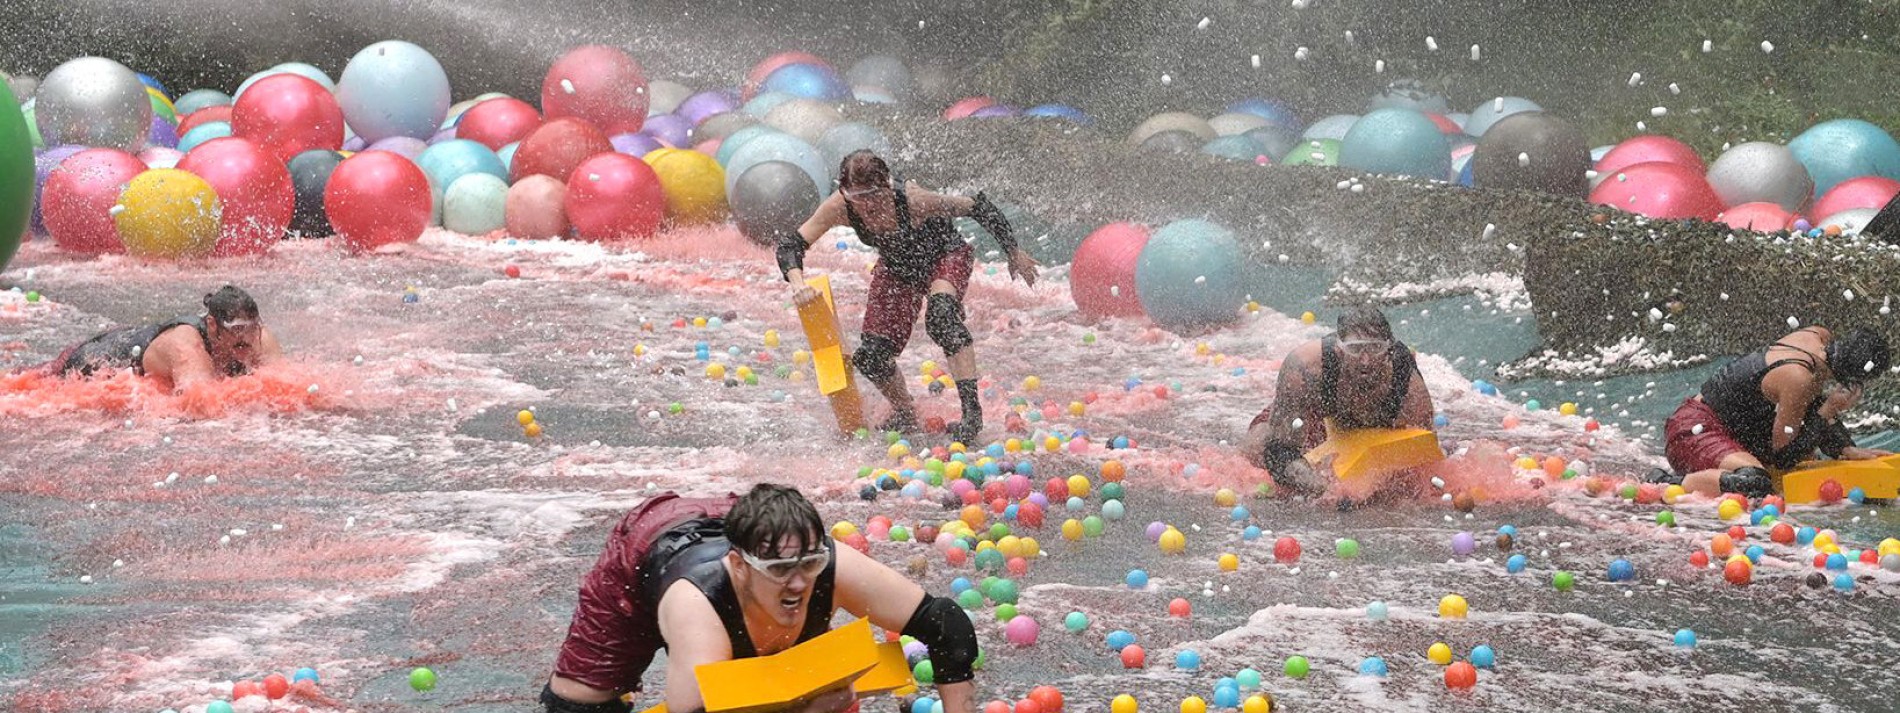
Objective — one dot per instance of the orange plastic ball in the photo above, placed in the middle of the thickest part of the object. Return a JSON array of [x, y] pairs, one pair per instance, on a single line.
[[1113, 471], [1461, 675], [276, 686], [1133, 656], [1722, 545], [1049, 697], [1180, 608], [1738, 573]]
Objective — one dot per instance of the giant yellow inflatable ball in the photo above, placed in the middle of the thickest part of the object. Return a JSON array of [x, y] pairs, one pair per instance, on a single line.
[[168, 213], [694, 183]]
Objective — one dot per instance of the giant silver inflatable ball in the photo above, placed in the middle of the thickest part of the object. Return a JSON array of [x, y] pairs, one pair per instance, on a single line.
[[1235, 123], [1172, 121], [806, 119], [847, 137], [1485, 115], [882, 71], [1409, 94], [1533, 151], [1333, 127], [1175, 141], [663, 96], [94, 101], [719, 126], [1850, 221], [771, 199], [1759, 171]]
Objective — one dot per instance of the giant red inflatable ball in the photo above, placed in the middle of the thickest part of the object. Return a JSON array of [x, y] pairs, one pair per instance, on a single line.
[[600, 84], [613, 196], [1861, 192], [77, 202], [253, 186], [377, 198], [1102, 275], [556, 148], [1759, 216], [1659, 189], [498, 122], [536, 208], [1645, 149], [288, 114], [221, 112]]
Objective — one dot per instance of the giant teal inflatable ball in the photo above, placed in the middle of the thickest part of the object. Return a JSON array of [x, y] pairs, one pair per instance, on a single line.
[[739, 139], [1313, 152], [475, 204], [1396, 141], [449, 161], [779, 147], [202, 133], [765, 102], [1485, 115], [1189, 275], [1332, 127], [1063, 112], [393, 88], [1276, 113], [1275, 141], [807, 81], [839, 141], [1834, 151], [197, 99], [507, 156], [1234, 148], [882, 71], [1409, 94]]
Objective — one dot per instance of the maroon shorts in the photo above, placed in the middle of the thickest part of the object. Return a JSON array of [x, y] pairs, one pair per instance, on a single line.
[[1689, 451], [616, 631], [891, 310]]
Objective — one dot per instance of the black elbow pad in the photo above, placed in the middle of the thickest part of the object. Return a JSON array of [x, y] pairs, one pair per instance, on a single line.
[[1277, 455], [943, 627], [987, 215], [791, 253]]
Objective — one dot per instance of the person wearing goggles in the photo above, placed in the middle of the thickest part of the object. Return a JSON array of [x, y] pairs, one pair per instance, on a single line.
[[717, 579], [1772, 409], [923, 265], [1357, 377], [227, 340]]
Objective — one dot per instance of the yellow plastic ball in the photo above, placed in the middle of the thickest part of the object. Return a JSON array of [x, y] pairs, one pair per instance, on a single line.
[[1229, 562], [1728, 510], [982, 545], [1308, 318], [1225, 497], [1010, 545], [1193, 704], [1201, 349], [1013, 445], [639, 350], [795, 376], [1439, 654], [957, 448], [1526, 463], [744, 373], [1739, 557], [843, 529], [800, 356], [1257, 704], [973, 516], [1031, 383], [1071, 529], [1822, 540], [1173, 542], [1567, 409], [1052, 444], [1452, 607], [929, 367], [1673, 492], [1124, 703], [532, 430], [1076, 408], [771, 338], [1029, 547], [899, 450], [524, 417], [1079, 486], [715, 371], [953, 470], [168, 213], [694, 184], [699, 322]]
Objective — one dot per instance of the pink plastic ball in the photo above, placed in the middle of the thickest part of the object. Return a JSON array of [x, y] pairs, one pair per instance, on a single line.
[[1022, 630]]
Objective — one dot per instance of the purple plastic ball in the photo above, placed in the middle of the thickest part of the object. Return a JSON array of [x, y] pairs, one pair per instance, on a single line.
[[1463, 544]]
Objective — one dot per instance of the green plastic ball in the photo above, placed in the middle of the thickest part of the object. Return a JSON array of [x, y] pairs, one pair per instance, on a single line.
[[1004, 592], [675, 408], [1347, 548], [892, 437], [1263, 491], [218, 707], [1563, 581], [1075, 622], [1627, 492], [422, 679], [924, 672], [998, 531], [1092, 526], [1088, 338], [899, 533], [1297, 666], [865, 471], [1112, 491], [1005, 612], [1666, 518], [969, 599], [32, 296]]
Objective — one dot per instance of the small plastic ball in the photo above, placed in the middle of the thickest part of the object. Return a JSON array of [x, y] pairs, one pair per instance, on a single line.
[[524, 417], [422, 679], [1621, 570], [1286, 550], [1075, 622], [1120, 639], [1229, 562], [1225, 498], [1563, 581], [1297, 666], [1193, 704], [1347, 548], [1738, 572], [1173, 542], [1461, 675], [1666, 518], [1843, 582], [1452, 606], [1133, 656], [1187, 660], [1124, 703], [1377, 611], [1515, 564], [1136, 579], [1372, 666], [1248, 679], [1180, 608], [1728, 510], [1257, 704], [1439, 653], [306, 674], [1251, 533], [1482, 656], [1685, 639], [1462, 544], [924, 672]]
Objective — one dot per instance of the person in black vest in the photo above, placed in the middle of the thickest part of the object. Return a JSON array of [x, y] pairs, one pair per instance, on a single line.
[[922, 264], [1357, 377], [1772, 409], [717, 579], [227, 340]]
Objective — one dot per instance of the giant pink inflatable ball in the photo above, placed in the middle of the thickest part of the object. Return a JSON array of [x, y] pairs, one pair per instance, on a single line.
[[1659, 189], [498, 122], [965, 107], [1760, 216], [77, 202], [377, 198], [1860, 192], [1645, 149], [599, 84], [253, 186], [288, 114], [536, 208], [756, 78], [613, 196], [1102, 275], [557, 147]]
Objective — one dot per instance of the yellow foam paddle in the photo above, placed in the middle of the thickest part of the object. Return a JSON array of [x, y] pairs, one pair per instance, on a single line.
[[820, 320], [1878, 478], [767, 683], [1374, 452]]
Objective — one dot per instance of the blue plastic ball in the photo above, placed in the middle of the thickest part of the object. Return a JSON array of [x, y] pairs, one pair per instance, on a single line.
[[1804, 535], [1620, 571], [1120, 442], [1227, 697], [1251, 533], [1372, 666], [1009, 513], [1844, 582], [1754, 554], [1685, 639], [1113, 510], [1857, 496], [1440, 421], [1515, 564], [1510, 530], [1377, 611], [995, 450], [1483, 657], [922, 705], [306, 674], [1837, 562], [1240, 513], [1075, 504], [1136, 579], [1119, 639], [1024, 467], [1187, 660]]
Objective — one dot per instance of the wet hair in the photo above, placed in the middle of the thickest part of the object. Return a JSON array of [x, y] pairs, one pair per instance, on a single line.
[[1364, 321], [773, 514], [863, 168], [1859, 355], [230, 304]]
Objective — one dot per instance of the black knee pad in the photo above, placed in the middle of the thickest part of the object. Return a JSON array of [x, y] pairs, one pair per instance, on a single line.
[[943, 321], [876, 358]]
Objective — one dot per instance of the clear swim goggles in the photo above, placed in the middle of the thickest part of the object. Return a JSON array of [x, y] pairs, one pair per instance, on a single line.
[[1365, 346], [779, 570]]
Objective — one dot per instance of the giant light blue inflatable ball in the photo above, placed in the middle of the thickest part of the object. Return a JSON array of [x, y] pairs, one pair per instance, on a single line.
[[1189, 275], [1274, 112], [1059, 111], [197, 99], [779, 147], [1834, 151], [807, 81], [507, 155], [446, 162], [1396, 141], [393, 88], [765, 102], [300, 69], [1332, 127], [1239, 147], [202, 133], [1490, 112], [475, 204], [738, 140]]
